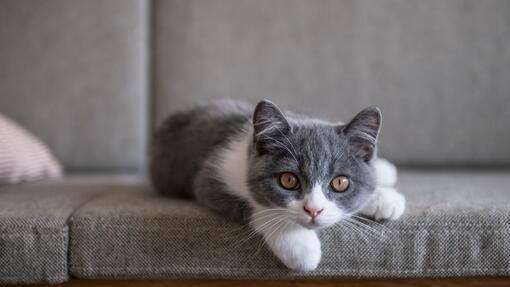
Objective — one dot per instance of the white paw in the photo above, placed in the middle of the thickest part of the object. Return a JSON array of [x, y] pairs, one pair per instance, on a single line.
[[385, 203], [298, 248], [302, 256], [385, 172]]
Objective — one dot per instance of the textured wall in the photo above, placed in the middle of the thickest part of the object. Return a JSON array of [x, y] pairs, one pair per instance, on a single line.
[[439, 69], [74, 73]]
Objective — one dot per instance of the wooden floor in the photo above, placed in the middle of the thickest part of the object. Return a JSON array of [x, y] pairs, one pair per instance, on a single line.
[[469, 282]]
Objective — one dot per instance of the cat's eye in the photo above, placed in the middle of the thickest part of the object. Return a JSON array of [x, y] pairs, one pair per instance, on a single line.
[[340, 183], [289, 181]]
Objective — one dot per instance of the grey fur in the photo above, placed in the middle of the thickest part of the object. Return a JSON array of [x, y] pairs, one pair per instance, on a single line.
[[185, 154]]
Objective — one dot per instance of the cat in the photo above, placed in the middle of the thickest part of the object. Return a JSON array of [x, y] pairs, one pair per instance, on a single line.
[[284, 174]]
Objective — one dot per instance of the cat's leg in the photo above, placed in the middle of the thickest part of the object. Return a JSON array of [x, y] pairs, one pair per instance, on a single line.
[[297, 247], [385, 172], [210, 192], [386, 202]]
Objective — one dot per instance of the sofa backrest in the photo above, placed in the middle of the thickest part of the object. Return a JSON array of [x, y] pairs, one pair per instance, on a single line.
[[77, 73], [439, 69]]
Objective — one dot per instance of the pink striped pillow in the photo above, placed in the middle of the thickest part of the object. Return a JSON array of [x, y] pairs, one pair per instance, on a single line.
[[23, 157]]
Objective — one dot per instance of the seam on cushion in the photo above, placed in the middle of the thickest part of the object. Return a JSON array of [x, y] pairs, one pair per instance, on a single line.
[[402, 230], [65, 262], [215, 222], [53, 233], [70, 224], [63, 265], [31, 230], [460, 269], [98, 194], [133, 220], [263, 269], [67, 230], [50, 278]]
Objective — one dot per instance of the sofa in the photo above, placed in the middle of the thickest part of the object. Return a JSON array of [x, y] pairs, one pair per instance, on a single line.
[[94, 78]]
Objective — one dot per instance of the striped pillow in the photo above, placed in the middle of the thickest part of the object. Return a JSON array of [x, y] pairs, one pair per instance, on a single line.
[[23, 157]]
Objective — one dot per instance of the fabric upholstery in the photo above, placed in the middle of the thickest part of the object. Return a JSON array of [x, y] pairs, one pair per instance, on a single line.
[[457, 224], [74, 72], [33, 226], [23, 157], [438, 69]]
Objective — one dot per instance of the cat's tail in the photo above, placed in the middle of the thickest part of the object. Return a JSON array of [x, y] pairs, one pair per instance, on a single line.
[[386, 172]]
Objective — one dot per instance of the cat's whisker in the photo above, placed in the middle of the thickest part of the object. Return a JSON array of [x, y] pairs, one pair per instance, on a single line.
[[372, 231], [369, 221], [380, 233], [258, 218], [270, 223], [286, 223], [272, 213], [247, 226], [268, 210], [260, 228], [241, 239], [261, 216], [264, 225], [356, 230], [276, 227], [295, 212], [237, 229], [364, 235], [239, 232], [277, 210]]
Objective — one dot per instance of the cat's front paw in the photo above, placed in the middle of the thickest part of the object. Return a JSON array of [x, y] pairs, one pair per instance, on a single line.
[[385, 203], [302, 256], [299, 248]]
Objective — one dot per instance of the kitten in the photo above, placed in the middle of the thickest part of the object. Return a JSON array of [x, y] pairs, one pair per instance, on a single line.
[[285, 175]]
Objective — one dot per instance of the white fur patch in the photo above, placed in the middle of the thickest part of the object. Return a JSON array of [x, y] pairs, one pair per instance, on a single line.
[[386, 172], [316, 199], [233, 166], [385, 203], [297, 247]]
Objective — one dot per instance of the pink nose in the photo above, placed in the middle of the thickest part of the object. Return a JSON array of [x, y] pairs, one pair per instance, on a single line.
[[313, 212]]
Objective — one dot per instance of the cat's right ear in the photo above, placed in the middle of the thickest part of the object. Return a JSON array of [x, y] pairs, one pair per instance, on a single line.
[[269, 124], [363, 131]]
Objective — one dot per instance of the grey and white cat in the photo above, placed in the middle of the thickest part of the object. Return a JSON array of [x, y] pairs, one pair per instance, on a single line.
[[286, 175]]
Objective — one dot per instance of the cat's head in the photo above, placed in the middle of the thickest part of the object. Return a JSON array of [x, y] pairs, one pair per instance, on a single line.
[[312, 172]]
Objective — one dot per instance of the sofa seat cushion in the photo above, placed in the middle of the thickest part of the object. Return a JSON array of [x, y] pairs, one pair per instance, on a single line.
[[33, 226], [457, 224]]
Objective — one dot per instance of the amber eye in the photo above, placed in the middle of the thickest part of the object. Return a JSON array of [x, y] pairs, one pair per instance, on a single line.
[[289, 181], [340, 183]]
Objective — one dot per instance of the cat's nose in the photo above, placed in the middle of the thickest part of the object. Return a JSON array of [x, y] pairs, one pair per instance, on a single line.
[[313, 212]]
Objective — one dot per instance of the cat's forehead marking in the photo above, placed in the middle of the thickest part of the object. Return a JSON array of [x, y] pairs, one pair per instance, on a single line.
[[319, 147]]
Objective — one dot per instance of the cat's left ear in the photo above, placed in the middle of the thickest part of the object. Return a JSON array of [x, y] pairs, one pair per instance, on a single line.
[[269, 124], [362, 132]]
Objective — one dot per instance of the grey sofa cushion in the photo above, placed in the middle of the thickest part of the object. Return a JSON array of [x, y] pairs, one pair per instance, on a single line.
[[438, 69], [457, 224], [34, 232], [74, 73], [33, 226]]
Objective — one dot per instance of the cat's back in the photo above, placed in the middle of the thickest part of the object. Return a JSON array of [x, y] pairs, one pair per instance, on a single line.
[[185, 139]]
